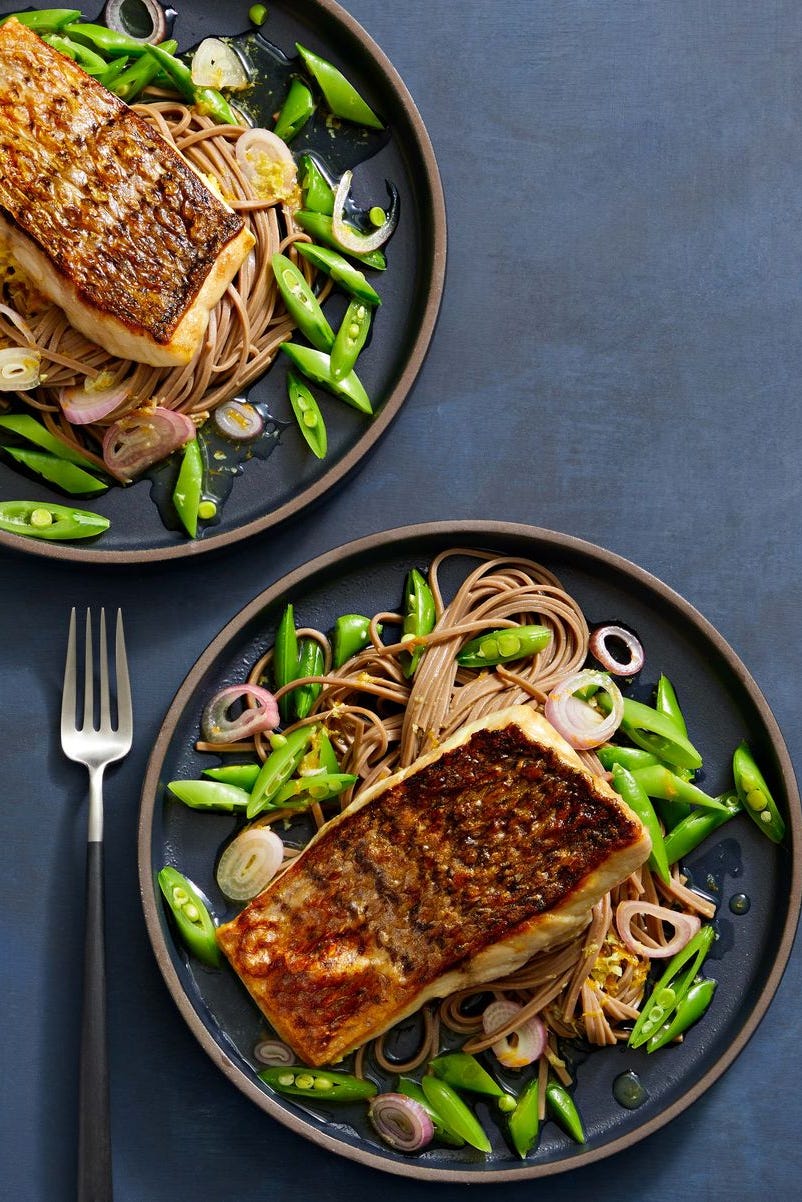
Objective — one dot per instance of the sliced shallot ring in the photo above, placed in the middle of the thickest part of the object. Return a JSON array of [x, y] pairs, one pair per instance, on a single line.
[[524, 1044], [401, 1121], [346, 236], [20, 368], [86, 404], [217, 727], [579, 723], [258, 141], [273, 1051], [215, 64], [249, 863], [121, 15], [685, 927], [143, 438], [599, 649]]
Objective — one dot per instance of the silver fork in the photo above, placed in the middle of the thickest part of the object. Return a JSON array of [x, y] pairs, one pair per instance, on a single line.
[[96, 747]]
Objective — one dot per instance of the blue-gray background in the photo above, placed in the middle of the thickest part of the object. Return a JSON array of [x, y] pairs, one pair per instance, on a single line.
[[618, 357]]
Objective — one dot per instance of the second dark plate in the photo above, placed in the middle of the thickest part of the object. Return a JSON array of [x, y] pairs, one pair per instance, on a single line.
[[723, 705]]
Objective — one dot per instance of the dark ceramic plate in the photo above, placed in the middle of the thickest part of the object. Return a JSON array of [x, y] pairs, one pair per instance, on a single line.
[[723, 705], [291, 479]]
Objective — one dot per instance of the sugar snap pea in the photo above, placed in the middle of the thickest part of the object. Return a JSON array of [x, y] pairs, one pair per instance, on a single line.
[[109, 42], [50, 522], [632, 792], [310, 663], [86, 58], [525, 1120], [302, 304], [503, 646], [66, 476], [307, 414], [278, 768], [285, 660], [688, 1011], [303, 791], [341, 271], [350, 636], [141, 72], [455, 1114], [693, 829], [350, 338], [189, 486], [242, 775], [463, 1071], [316, 366], [45, 20], [192, 918], [298, 1081], [628, 757], [214, 795], [318, 194], [562, 1108], [340, 95], [755, 795], [419, 617], [665, 701], [296, 110], [25, 425], [672, 986], [659, 781], [411, 1089]]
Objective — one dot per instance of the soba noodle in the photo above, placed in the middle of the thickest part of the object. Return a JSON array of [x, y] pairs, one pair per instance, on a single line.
[[245, 330], [379, 721]]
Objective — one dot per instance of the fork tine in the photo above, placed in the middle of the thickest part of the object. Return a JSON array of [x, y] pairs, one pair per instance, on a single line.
[[105, 704], [68, 692], [89, 677], [125, 718]]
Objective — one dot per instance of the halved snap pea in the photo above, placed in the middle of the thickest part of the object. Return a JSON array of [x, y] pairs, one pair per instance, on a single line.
[[503, 646]]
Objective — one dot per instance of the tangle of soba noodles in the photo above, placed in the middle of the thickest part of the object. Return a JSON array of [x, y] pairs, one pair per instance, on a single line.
[[245, 330], [379, 721]]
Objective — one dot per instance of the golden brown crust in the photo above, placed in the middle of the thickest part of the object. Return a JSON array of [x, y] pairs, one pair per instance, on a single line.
[[111, 221], [449, 873]]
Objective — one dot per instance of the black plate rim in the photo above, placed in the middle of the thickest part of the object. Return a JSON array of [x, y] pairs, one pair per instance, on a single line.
[[434, 249], [539, 542]]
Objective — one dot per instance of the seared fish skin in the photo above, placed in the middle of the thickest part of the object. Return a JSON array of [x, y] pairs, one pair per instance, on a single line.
[[105, 217], [448, 874]]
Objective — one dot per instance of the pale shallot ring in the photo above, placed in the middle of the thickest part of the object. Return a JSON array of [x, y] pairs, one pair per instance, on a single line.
[[346, 236], [217, 727], [579, 723], [142, 438], [249, 863], [401, 1121], [273, 1051], [83, 405], [521, 1046], [685, 927], [599, 649]]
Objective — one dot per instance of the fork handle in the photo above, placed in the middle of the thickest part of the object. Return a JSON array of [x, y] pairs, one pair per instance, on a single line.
[[94, 1133]]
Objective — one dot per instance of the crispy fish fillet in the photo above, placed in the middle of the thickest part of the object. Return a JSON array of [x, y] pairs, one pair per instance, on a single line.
[[106, 218], [450, 873]]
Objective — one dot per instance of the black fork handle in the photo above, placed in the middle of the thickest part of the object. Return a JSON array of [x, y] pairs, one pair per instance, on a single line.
[[94, 1130]]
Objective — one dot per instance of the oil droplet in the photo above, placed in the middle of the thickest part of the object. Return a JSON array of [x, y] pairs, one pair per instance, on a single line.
[[628, 1090], [740, 903]]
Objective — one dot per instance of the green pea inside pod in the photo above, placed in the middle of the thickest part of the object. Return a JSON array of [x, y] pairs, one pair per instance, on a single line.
[[503, 646], [755, 796]]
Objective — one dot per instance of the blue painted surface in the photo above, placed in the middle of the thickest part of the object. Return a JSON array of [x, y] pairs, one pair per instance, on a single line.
[[618, 357]]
